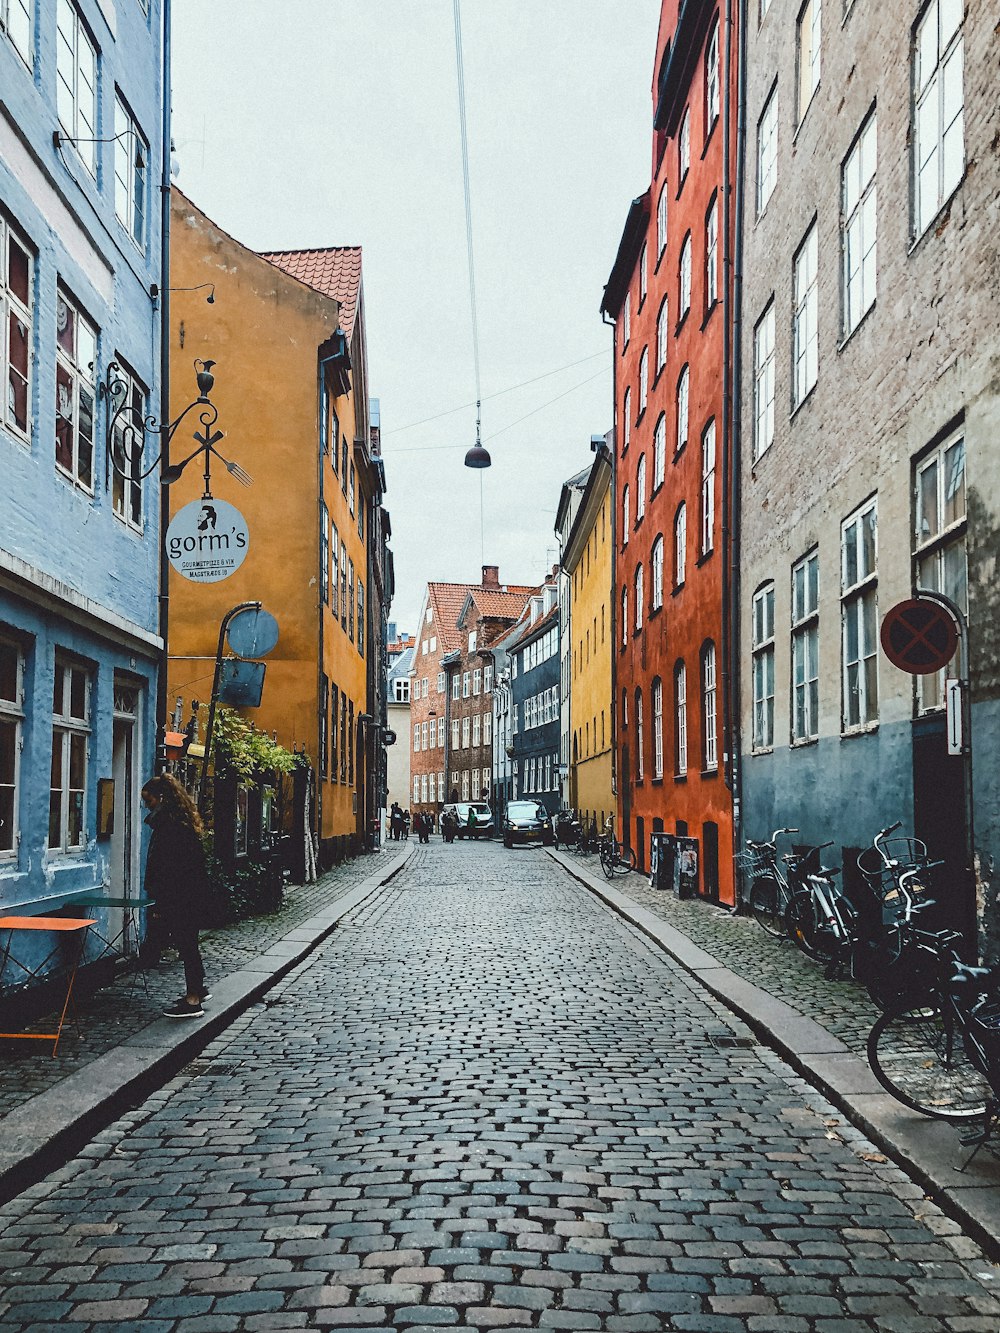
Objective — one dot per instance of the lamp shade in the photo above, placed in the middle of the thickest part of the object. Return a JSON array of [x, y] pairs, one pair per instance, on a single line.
[[478, 457]]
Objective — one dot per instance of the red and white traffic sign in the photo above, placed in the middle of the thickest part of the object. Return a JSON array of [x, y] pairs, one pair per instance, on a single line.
[[919, 636]]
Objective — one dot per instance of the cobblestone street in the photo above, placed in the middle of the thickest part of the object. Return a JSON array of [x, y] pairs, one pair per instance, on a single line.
[[486, 1102]]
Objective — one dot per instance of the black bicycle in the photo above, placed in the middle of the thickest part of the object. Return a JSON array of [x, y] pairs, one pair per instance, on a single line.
[[769, 893], [616, 858]]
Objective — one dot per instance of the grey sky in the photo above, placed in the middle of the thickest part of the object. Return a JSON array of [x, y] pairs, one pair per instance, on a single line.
[[327, 122]]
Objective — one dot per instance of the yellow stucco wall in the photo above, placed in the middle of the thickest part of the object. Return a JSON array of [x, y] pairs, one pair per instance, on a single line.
[[263, 330], [591, 704]]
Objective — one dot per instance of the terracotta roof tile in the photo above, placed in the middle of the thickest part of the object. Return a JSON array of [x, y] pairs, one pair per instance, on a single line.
[[334, 271], [448, 599]]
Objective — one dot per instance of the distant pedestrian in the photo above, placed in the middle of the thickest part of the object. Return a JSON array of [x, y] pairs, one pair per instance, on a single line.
[[176, 882], [424, 826], [396, 822], [406, 824]]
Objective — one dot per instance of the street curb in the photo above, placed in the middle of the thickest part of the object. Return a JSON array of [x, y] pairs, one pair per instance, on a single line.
[[927, 1150], [45, 1131]]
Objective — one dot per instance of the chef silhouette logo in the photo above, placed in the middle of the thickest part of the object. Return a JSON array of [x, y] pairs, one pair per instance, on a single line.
[[207, 518]]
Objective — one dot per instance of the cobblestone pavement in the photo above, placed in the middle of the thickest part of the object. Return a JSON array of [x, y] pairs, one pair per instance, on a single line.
[[485, 1102], [841, 1006], [112, 1015]]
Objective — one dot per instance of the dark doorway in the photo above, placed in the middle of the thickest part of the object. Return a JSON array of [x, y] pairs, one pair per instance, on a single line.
[[640, 844], [710, 859], [939, 820], [625, 796], [681, 828]]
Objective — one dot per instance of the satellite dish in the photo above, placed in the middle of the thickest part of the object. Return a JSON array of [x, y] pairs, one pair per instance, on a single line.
[[252, 633]]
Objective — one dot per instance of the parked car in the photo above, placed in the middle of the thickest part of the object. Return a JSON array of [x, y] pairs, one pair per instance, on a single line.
[[483, 827], [526, 821]]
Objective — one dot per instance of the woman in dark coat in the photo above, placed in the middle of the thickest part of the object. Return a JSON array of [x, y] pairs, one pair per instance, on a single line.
[[177, 884]]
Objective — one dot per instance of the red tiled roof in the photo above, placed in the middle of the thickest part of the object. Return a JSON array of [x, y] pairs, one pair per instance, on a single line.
[[448, 599], [334, 271], [492, 602]]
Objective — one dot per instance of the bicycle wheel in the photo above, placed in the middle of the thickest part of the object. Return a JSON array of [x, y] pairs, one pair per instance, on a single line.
[[769, 900], [624, 860], [607, 859], [815, 940], [919, 1057]]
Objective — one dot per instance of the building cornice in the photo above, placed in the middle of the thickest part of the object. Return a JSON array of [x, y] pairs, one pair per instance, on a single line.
[[633, 234], [598, 485], [678, 64]]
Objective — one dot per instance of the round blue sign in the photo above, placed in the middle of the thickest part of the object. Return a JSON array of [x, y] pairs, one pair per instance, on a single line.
[[252, 633]]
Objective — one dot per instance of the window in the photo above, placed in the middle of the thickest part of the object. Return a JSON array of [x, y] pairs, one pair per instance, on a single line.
[[466, 677], [334, 569], [639, 742], [708, 488], [344, 747], [627, 415], [430, 787], [465, 785], [416, 736], [11, 720], [638, 597], [712, 81], [709, 710], [350, 600], [762, 650], [477, 731], [15, 21], [808, 52], [626, 320], [126, 472], [643, 274], [416, 788], [683, 398], [131, 164], [324, 553], [477, 680], [16, 284], [324, 726], [76, 82], [343, 584], [763, 383], [401, 690], [805, 648], [76, 355], [656, 565], [805, 324], [350, 491], [643, 380], [684, 147], [361, 625], [685, 277], [938, 132], [662, 326], [440, 733], [70, 736], [767, 151], [487, 679], [334, 711], [440, 682], [680, 544], [680, 720], [858, 226], [661, 221], [939, 545], [423, 735], [487, 728], [624, 616], [456, 686], [712, 255], [859, 594], [657, 693], [472, 640], [626, 515], [343, 481], [659, 451], [640, 488], [423, 687], [466, 732], [332, 431], [454, 733]]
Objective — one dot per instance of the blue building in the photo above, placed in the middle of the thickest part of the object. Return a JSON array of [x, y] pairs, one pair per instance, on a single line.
[[534, 701], [80, 275]]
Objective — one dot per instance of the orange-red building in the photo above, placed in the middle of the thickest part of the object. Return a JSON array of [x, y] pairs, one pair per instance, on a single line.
[[670, 296]]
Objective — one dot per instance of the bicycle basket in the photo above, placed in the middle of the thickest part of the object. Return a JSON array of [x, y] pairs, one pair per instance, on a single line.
[[755, 861], [882, 866]]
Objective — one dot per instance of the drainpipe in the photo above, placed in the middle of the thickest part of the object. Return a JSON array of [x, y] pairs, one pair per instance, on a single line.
[[321, 482], [164, 590], [614, 565]]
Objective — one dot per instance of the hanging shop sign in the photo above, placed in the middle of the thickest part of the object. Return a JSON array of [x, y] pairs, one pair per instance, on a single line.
[[207, 540]]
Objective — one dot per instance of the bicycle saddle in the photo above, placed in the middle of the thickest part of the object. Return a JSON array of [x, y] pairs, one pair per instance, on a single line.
[[966, 974]]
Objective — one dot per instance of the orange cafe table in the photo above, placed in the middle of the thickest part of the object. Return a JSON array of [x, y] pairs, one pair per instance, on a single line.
[[62, 928]]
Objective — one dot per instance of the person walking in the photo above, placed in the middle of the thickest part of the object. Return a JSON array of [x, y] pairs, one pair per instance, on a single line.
[[406, 825], [176, 882], [396, 821]]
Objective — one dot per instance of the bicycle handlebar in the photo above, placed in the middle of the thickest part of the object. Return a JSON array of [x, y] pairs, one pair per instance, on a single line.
[[884, 833]]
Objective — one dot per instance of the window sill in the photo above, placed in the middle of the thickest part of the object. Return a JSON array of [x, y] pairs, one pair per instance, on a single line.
[[678, 587], [680, 777], [678, 452], [805, 113], [704, 558], [656, 490], [932, 224], [709, 313], [763, 454], [848, 336], [657, 782], [656, 611], [638, 420], [681, 322], [707, 773], [802, 403], [803, 742], [868, 729], [680, 187]]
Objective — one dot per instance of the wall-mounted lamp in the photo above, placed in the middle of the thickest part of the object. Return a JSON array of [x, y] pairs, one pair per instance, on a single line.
[[138, 160], [154, 291]]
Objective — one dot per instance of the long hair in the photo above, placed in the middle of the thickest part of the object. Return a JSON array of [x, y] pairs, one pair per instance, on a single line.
[[178, 803]]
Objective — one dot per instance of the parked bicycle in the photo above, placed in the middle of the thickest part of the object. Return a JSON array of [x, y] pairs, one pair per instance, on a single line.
[[616, 859], [769, 893]]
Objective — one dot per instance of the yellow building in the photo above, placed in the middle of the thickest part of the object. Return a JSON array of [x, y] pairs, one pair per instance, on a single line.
[[586, 564], [286, 331]]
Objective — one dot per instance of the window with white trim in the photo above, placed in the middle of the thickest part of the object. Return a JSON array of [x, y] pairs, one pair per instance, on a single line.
[[16, 349], [643, 274], [662, 334], [76, 82], [626, 320], [477, 680], [15, 21], [127, 483], [763, 382], [680, 720], [683, 400], [11, 724], [767, 151], [808, 32], [643, 380], [76, 357], [639, 739], [680, 544], [70, 743], [939, 546], [684, 147], [131, 166], [640, 488], [712, 255], [657, 697], [938, 110], [638, 596], [456, 686], [659, 451], [661, 221], [712, 81], [805, 648], [656, 565], [335, 576], [466, 678], [454, 733], [487, 728], [477, 731], [858, 226], [684, 278], [627, 420], [805, 322], [624, 616], [416, 788], [709, 710], [440, 733], [440, 682], [487, 679], [762, 657], [424, 736], [416, 736], [626, 515], [859, 608], [708, 488], [466, 730]]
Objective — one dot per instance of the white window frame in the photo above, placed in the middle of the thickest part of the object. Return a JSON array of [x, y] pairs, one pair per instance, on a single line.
[[805, 648], [131, 174], [660, 452], [662, 335], [939, 551], [477, 731], [455, 728], [416, 789], [627, 418], [643, 380], [680, 720], [640, 488], [643, 274], [440, 682], [767, 151], [684, 148], [466, 679], [683, 408], [626, 514], [708, 457], [625, 615], [712, 255], [859, 617], [657, 711], [12, 718], [808, 33], [70, 732], [440, 733], [638, 595], [487, 679], [626, 320], [656, 567], [640, 771], [487, 728], [466, 732], [859, 226], [662, 214], [20, 31], [76, 83], [709, 709], [15, 315], [477, 681], [456, 686], [937, 166], [762, 658], [76, 389], [712, 81], [680, 544], [763, 382], [684, 278], [805, 317]]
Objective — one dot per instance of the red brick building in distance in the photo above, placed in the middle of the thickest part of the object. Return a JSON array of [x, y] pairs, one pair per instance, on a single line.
[[670, 296], [451, 694]]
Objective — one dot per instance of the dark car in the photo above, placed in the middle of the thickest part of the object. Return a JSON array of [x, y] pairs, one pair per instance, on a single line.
[[525, 821]]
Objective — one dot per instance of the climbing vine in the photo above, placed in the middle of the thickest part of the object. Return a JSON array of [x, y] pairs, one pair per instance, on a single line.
[[241, 749]]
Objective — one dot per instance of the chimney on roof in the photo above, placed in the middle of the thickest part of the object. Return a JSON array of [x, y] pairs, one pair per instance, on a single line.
[[392, 631], [491, 576]]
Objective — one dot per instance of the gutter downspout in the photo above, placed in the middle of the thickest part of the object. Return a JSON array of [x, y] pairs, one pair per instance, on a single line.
[[612, 324], [164, 589]]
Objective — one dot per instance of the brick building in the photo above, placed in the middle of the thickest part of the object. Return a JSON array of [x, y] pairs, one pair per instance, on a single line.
[[670, 298], [869, 415]]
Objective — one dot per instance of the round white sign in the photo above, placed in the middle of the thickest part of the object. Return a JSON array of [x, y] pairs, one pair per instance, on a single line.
[[207, 540]]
